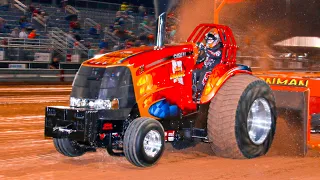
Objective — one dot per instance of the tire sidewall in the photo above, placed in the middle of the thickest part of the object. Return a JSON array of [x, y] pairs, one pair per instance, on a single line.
[[141, 154], [255, 90]]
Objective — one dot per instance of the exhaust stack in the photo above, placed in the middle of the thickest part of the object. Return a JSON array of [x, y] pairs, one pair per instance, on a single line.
[[161, 30], [161, 9]]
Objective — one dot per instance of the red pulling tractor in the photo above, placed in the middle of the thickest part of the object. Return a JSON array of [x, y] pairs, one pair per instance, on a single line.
[[132, 101]]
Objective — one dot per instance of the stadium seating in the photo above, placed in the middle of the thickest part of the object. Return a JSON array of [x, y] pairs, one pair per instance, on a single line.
[[26, 50]]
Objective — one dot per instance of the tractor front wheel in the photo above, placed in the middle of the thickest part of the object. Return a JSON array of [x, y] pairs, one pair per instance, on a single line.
[[68, 147], [143, 142]]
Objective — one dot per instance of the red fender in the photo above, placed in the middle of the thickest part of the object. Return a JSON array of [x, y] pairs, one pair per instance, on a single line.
[[219, 76]]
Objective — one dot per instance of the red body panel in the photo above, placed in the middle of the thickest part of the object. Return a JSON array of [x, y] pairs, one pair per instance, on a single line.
[[289, 80], [166, 73]]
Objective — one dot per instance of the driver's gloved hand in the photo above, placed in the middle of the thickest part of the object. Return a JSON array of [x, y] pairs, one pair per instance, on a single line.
[[194, 88], [200, 60], [200, 45]]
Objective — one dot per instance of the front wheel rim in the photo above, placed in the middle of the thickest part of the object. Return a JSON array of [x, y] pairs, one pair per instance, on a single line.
[[152, 143], [259, 121]]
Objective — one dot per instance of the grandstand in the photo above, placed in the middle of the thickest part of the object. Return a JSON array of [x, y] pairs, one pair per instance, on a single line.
[[58, 27], [55, 40], [53, 32]]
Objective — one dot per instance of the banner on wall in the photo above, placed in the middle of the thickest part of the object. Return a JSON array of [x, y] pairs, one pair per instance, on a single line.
[[44, 57], [17, 66]]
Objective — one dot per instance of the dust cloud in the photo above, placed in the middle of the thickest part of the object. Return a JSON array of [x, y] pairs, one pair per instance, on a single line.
[[191, 13], [252, 35]]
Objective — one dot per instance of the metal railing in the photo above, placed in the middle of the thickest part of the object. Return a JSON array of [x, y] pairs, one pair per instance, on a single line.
[[41, 20], [62, 42], [110, 36], [145, 28], [71, 10], [19, 5], [89, 4], [91, 23], [27, 43], [38, 75]]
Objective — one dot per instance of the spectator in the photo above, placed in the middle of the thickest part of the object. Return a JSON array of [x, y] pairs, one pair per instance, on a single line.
[[4, 42], [78, 26], [143, 40], [117, 27], [22, 19], [103, 44], [87, 44], [33, 34], [137, 43], [119, 20], [90, 53], [129, 44], [55, 63], [4, 5], [145, 21], [93, 31], [72, 24], [118, 46], [98, 27], [172, 34], [31, 8], [111, 29], [23, 34], [3, 26], [64, 3], [15, 33], [75, 25], [142, 10], [124, 6], [150, 40], [123, 35], [23, 22], [77, 37], [129, 9], [36, 12], [71, 17]]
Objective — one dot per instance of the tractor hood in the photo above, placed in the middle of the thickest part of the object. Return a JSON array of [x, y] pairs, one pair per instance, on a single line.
[[139, 56], [116, 57]]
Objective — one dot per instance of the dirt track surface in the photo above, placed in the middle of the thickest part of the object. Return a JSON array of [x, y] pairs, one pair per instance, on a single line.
[[25, 154]]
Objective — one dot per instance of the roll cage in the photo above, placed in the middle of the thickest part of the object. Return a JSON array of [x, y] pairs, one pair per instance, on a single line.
[[229, 43]]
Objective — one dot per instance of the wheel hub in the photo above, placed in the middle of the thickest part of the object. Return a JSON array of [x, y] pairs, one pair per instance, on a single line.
[[152, 143], [259, 121]]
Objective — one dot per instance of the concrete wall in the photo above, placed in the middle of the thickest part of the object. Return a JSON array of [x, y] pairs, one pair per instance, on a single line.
[[37, 75]]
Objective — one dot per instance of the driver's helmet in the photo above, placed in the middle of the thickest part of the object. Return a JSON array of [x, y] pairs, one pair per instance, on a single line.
[[212, 39]]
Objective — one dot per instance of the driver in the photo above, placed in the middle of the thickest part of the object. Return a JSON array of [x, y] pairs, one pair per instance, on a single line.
[[212, 57]]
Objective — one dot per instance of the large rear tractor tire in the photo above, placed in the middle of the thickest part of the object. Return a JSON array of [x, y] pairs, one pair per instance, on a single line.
[[68, 148], [242, 118], [144, 142]]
